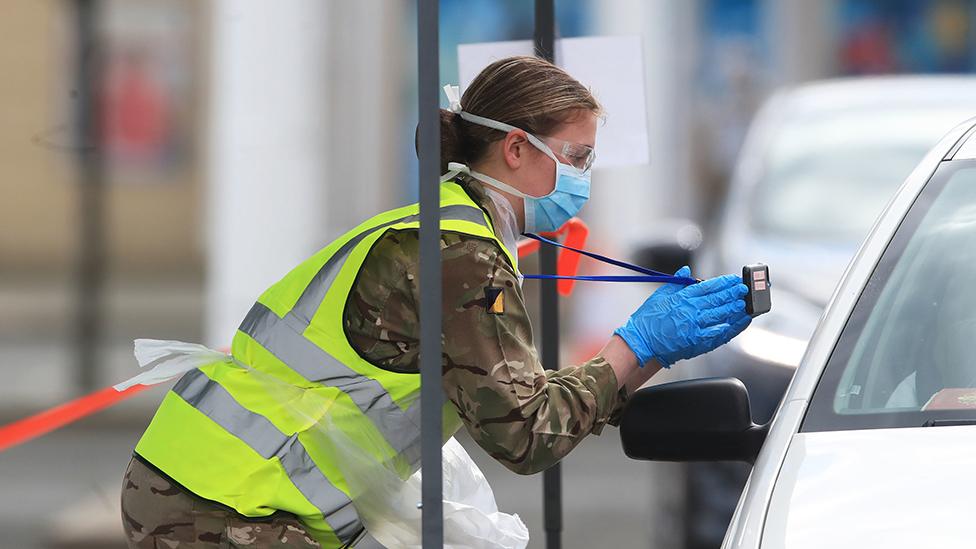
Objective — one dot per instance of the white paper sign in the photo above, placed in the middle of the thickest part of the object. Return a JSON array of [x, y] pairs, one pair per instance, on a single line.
[[611, 66]]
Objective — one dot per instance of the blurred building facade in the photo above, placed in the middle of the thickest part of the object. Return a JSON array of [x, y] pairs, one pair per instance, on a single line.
[[239, 136], [199, 104], [186, 89]]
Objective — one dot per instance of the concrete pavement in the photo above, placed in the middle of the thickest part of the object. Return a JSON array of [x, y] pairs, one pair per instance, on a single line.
[[62, 491]]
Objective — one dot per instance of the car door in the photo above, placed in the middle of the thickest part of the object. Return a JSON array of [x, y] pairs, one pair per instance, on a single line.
[[883, 457]]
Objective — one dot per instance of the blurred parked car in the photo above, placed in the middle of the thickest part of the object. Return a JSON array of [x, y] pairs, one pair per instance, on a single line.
[[872, 446], [820, 162]]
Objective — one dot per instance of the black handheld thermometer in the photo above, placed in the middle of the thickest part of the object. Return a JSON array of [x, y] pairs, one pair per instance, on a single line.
[[756, 278]]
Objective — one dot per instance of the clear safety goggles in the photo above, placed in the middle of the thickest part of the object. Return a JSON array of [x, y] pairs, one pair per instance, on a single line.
[[577, 155]]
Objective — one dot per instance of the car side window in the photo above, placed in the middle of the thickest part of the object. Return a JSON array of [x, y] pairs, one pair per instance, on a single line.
[[906, 356]]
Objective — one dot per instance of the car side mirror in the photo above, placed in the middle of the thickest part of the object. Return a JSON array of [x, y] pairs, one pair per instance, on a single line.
[[695, 420]]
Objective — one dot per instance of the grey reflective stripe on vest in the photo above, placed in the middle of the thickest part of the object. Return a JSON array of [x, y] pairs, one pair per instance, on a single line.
[[283, 338], [210, 398]]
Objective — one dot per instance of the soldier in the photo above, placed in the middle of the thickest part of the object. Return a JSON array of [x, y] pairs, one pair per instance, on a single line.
[[265, 448]]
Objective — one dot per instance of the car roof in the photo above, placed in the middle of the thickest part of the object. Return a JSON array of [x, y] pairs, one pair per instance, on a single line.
[[953, 95], [881, 92], [892, 102]]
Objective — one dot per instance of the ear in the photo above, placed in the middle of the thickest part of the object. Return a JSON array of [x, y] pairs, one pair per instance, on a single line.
[[513, 148]]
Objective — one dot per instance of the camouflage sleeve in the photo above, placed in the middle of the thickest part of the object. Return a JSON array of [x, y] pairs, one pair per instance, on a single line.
[[618, 408], [523, 416]]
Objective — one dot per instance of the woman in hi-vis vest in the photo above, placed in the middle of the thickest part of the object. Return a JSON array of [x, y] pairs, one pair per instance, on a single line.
[[271, 446]]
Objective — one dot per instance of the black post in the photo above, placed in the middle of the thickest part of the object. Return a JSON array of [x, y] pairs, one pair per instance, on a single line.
[[429, 140], [545, 47], [91, 193], [545, 30]]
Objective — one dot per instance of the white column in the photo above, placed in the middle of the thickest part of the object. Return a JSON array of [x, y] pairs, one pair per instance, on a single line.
[[366, 67], [632, 200], [268, 151], [672, 35]]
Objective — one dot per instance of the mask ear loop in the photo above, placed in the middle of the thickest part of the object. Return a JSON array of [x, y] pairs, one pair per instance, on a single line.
[[451, 172], [456, 168], [535, 141]]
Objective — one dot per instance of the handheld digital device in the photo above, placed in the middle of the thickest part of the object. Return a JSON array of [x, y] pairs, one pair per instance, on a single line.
[[758, 300]]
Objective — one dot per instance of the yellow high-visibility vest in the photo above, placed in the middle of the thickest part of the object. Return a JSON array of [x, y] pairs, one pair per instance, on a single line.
[[268, 431]]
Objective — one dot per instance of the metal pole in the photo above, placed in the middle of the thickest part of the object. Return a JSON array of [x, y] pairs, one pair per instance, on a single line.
[[545, 47], [91, 193], [431, 398], [545, 30], [552, 484]]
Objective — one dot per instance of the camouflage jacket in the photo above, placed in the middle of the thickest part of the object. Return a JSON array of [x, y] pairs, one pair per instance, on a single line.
[[523, 416]]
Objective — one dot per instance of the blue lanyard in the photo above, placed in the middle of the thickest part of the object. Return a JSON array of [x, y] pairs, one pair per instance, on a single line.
[[648, 275]]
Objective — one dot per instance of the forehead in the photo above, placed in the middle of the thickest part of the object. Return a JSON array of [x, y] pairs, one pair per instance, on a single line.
[[580, 128]]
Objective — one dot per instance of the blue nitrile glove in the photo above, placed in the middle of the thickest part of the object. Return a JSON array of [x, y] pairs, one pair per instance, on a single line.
[[678, 322]]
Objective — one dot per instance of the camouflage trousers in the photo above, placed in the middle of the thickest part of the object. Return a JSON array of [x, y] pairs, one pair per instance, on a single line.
[[159, 514]]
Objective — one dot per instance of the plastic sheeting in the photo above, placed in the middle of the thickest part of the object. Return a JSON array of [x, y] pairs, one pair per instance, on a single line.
[[385, 491]]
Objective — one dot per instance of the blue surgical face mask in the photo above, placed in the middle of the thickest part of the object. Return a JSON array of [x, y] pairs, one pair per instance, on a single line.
[[572, 190], [542, 213]]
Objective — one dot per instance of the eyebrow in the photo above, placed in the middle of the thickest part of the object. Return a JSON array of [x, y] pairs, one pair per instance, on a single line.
[[590, 145]]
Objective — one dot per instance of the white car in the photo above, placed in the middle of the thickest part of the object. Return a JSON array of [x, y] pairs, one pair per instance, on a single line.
[[821, 161], [874, 444]]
